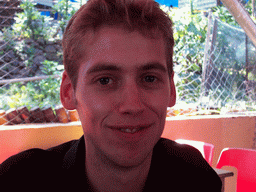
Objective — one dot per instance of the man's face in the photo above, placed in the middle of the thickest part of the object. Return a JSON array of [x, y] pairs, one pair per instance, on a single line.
[[122, 94]]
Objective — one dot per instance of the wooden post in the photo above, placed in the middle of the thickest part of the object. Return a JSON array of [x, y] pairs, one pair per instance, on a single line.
[[208, 65], [206, 53], [246, 58], [253, 8]]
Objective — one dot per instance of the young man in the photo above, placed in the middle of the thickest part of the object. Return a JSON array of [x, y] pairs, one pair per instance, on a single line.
[[118, 76]]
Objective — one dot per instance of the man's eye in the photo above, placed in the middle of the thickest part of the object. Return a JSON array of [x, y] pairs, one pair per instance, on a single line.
[[104, 80], [150, 79]]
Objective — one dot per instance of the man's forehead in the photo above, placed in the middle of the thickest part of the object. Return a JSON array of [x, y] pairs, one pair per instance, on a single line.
[[103, 36], [92, 35]]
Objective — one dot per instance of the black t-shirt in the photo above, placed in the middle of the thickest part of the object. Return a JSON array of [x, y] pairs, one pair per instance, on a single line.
[[174, 167]]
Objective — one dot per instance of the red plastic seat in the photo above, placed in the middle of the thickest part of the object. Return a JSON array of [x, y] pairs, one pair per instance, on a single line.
[[245, 162], [205, 148]]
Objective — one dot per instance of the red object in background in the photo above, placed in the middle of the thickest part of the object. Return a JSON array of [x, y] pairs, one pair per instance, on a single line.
[[245, 162]]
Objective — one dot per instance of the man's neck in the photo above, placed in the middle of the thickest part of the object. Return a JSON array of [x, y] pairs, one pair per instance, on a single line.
[[105, 176]]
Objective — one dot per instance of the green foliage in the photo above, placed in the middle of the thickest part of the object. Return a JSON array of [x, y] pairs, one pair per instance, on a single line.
[[30, 24], [249, 9], [230, 43], [38, 93], [224, 15], [190, 30], [52, 68], [9, 37], [49, 93], [65, 12], [189, 35], [15, 96]]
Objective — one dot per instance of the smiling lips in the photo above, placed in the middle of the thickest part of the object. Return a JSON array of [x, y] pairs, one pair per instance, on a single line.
[[129, 128]]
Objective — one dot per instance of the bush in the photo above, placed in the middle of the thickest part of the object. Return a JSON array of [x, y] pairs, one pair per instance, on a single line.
[[37, 93], [30, 24]]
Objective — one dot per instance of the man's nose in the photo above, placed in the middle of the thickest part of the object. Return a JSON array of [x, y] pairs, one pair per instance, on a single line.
[[132, 101]]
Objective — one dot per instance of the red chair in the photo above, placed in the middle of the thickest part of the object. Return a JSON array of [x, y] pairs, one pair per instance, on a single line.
[[244, 160], [205, 148]]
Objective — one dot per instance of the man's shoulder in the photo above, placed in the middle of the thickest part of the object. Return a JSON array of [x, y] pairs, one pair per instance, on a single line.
[[180, 154], [174, 162], [34, 159], [36, 167], [173, 149]]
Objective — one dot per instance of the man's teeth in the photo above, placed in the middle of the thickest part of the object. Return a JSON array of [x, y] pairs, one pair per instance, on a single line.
[[129, 130]]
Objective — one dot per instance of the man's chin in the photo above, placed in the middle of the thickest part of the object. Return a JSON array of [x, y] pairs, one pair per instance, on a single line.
[[131, 163]]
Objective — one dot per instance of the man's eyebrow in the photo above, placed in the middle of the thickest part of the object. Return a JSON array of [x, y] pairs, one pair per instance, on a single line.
[[103, 67], [153, 65]]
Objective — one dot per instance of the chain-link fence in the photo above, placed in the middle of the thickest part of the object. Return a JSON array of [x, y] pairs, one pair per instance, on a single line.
[[229, 73], [7, 12], [221, 74], [31, 62], [30, 73], [221, 78]]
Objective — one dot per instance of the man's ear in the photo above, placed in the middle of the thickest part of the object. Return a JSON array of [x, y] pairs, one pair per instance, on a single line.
[[173, 91], [67, 93]]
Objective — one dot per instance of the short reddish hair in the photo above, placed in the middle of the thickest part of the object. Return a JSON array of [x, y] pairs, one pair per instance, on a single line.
[[144, 16]]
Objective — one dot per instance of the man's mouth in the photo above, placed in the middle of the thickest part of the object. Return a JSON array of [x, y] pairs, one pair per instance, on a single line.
[[130, 129]]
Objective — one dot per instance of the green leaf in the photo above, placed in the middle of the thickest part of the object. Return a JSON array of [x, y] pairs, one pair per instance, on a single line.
[[192, 28]]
